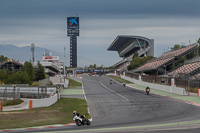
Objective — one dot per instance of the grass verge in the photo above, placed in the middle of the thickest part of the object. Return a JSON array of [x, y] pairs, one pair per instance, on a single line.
[[11, 102], [119, 79], [59, 113], [73, 84]]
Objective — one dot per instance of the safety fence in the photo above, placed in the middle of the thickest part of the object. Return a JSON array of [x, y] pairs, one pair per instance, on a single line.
[[9, 93]]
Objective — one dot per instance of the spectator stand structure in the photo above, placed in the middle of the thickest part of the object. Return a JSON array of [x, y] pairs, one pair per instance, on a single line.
[[127, 46], [11, 64], [168, 61], [164, 69]]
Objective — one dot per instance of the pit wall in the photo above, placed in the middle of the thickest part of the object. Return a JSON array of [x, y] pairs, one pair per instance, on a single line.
[[36, 103], [170, 89]]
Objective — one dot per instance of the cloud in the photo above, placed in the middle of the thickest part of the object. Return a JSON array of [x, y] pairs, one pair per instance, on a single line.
[[44, 23]]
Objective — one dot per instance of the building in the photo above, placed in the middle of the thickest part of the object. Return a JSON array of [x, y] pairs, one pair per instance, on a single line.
[[11, 64], [52, 64], [127, 46]]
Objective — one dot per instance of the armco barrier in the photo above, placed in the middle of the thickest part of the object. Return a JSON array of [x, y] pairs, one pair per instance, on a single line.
[[170, 89], [43, 102]]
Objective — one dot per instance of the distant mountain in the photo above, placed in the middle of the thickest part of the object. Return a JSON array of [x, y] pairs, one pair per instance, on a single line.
[[24, 53]]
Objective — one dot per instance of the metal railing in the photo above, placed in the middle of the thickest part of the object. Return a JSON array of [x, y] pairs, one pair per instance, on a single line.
[[11, 94]]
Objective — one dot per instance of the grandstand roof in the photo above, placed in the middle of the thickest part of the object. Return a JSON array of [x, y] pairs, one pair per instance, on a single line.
[[164, 59], [123, 39]]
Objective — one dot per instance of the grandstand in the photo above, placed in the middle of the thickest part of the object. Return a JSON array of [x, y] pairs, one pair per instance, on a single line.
[[191, 68], [127, 46], [11, 64], [166, 62]]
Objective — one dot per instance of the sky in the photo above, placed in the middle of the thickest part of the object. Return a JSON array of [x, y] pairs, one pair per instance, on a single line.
[[44, 22]]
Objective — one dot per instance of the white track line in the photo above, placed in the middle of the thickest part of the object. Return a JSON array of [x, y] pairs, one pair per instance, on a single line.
[[86, 99], [114, 92]]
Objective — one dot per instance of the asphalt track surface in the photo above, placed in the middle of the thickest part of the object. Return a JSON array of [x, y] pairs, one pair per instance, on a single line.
[[115, 108]]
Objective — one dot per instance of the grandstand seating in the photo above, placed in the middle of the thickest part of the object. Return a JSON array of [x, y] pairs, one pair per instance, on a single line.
[[196, 76], [121, 63], [165, 59], [123, 67], [155, 64], [178, 52], [186, 69]]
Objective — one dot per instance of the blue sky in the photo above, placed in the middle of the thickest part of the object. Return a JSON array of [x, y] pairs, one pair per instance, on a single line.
[[43, 22]]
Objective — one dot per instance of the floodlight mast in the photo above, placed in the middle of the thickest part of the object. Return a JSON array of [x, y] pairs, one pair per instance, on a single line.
[[33, 49], [64, 61]]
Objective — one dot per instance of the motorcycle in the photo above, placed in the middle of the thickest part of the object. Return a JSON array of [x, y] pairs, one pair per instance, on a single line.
[[81, 120], [147, 90], [124, 84], [110, 81]]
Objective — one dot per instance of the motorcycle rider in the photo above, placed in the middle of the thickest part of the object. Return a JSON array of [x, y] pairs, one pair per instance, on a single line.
[[78, 114], [110, 81], [124, 84], [147, 90]]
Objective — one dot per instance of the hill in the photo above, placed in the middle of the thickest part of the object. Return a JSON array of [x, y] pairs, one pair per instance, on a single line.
[[24, 53]]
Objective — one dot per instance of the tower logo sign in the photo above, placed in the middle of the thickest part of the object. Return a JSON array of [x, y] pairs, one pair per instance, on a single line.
[[72, 22]]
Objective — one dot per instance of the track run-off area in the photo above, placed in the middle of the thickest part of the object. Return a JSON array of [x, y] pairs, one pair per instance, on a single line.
[[115, 108]]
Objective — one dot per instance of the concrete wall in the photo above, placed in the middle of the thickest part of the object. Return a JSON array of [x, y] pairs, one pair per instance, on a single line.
[[170, 89], [44, 102], [59, 80]]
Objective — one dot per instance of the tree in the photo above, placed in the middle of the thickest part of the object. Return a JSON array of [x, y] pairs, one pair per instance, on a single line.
[[93, 66], [3, 75], [138, 61], [28, 68], [2, 58], [198, 41], [39, 72], [18, 77], [177, 46]]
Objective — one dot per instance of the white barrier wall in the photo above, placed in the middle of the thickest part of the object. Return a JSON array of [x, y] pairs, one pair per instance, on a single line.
[[44, 102], [170, 89], [113, 74], [198, 92], [51, 90]]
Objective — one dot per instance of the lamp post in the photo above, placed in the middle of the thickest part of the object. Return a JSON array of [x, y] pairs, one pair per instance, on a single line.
[[33, 49]]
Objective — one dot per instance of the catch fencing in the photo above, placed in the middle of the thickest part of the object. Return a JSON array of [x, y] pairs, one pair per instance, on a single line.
[[9, 93]]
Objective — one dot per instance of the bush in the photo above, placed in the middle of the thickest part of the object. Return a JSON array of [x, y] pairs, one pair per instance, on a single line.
[[35, 83]]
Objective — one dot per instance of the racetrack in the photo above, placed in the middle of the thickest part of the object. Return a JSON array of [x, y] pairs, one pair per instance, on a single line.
[[117, 105], [115, 108]]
